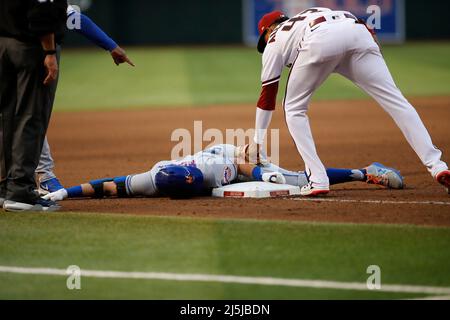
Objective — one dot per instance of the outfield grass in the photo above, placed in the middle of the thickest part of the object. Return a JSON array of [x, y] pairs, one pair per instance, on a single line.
[[338, 252], [220, 75]]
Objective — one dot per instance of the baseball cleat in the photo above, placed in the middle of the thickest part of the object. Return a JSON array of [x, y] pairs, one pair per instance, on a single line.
[[311, 190], [383, 176], [49, 186], [41, 205], [443, 178]]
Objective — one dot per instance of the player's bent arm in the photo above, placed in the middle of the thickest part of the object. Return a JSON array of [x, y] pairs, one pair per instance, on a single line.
[[92, 32], [272, 66], [265, 106], [50, 62]]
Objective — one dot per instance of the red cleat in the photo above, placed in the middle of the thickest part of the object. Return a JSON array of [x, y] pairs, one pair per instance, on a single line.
[[313, 191], [443, 178]]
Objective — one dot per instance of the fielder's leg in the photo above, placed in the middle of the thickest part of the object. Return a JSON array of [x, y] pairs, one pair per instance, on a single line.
[[369, 71], [304, 79]]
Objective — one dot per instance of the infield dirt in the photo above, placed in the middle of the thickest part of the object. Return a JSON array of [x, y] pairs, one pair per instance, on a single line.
[[349, 134]]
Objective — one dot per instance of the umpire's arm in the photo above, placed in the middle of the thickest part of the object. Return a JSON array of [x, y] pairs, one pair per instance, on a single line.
[[45, 18]]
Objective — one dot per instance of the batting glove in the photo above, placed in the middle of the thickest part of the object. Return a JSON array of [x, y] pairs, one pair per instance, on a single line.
[[274, 177]]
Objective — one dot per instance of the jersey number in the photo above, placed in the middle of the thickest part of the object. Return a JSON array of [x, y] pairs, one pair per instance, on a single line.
[[287, 26]]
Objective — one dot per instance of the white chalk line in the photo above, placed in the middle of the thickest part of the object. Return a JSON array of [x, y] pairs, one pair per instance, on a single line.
[[264, 281], [436, 203]]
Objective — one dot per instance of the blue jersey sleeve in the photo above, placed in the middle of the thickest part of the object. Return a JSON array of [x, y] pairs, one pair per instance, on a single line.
[[92, 32]]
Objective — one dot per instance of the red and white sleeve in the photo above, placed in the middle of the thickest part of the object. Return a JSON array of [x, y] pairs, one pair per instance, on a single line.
[[270, 78]]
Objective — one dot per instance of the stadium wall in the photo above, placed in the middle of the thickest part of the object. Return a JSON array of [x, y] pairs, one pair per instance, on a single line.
[[180, 22]]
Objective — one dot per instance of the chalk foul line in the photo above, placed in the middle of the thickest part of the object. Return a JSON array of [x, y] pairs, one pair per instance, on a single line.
[[440, 203], [264, 281]]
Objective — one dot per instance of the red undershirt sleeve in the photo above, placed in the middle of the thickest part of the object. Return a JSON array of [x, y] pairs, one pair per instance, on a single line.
[[268, 97]]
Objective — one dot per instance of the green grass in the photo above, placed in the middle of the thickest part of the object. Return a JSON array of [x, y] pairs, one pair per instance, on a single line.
[[220, 75], [340, 252]]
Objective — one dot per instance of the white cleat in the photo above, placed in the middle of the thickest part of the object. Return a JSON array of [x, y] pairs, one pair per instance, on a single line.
[[311, 190], [40, 205]]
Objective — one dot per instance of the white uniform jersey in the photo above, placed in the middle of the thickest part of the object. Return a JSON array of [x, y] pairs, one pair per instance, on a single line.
[[285, 42], [216, 163]]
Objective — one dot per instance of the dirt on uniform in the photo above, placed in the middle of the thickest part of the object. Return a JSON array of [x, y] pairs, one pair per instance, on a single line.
[[348, 134]]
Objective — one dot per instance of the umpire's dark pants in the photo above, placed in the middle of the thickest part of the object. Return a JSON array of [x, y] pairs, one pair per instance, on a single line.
[[25, 109]]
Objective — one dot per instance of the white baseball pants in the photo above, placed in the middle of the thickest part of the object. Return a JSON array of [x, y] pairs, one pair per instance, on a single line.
[[348, 48]]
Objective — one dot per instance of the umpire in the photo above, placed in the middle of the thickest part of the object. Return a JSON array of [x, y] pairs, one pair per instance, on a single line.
[[29, 33]]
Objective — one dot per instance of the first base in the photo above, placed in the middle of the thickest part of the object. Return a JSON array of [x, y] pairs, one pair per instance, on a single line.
[[256, 190]]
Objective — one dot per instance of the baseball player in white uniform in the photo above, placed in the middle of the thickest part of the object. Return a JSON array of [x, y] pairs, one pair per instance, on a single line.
[[219, 165], [314, 44]]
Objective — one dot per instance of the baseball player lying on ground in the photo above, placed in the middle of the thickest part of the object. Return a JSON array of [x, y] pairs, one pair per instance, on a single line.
[[214, 167]]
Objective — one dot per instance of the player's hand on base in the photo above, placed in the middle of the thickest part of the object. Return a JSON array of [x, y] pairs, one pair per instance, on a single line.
[[255, 154], [57, 195], [51, 66], [119, 56], [274, 177]]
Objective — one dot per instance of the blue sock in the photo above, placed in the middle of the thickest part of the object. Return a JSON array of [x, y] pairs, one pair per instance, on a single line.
[[344, 175], [75, 192], [364, 172], [257, 173]]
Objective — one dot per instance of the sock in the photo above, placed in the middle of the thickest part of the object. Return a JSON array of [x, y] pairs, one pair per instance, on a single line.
[[74, 192], [364, 172], [257, 173], [345, 175]]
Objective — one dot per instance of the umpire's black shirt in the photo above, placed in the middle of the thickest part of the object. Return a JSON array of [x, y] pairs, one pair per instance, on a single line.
[[27, 20]]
